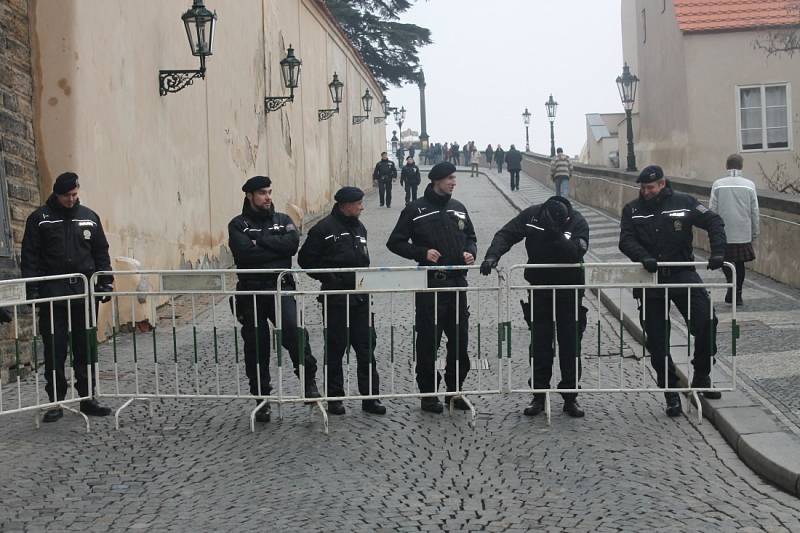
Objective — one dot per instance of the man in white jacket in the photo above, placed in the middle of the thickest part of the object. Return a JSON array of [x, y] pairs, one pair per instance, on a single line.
[[735, 199]]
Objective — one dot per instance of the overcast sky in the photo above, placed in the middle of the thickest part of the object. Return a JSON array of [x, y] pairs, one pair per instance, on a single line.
[[491, 59]]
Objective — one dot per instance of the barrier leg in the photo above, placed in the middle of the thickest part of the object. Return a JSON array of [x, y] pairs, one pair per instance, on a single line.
[[547, 406], [78, 412], [473, 415], [121, 407], [696, 401], [323, 413], [253, 415]]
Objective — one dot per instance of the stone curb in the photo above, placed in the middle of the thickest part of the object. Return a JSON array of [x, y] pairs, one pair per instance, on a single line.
[[753, 432]]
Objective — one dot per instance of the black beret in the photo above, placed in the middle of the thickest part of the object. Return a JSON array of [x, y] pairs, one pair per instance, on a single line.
[[255, 183], [65, 183], [348, 194], [441, 170], [650, 174], [558, 209]]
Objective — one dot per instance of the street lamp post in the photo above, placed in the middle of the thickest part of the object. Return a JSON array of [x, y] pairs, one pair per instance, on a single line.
[[366, 104], [551, 106], [335, 88], [526, 119], [200, 24], [290, 72], [627, 84]]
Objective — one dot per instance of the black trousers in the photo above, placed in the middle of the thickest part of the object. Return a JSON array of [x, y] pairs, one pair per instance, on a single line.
[[256, 337], [385, 191], [499, 166], [360, 336], [740, 273], [60, 338], [411, 192], [655, 321], [568, 327], [514, 179], [430, 325]]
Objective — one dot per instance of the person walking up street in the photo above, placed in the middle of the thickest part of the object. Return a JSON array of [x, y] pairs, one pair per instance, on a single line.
[[410, 179], [489, 153], [65, 237], [655, 228], [499, 158], [735, 198], [554, 232], [384, 174], [514, 166], [561, 172], [340, 241], [399, 154], [436, 231], [262, 238]]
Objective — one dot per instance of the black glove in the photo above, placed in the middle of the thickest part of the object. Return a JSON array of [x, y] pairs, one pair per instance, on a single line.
[[32, 291], [5, 315], [650, 264], [103, 287], [488, 264], [715, 262]]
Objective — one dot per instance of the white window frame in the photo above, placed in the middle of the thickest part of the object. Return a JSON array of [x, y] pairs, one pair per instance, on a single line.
[[789, 125]]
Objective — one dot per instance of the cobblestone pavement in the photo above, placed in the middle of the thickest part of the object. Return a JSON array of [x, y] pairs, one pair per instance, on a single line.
[[195, 466]]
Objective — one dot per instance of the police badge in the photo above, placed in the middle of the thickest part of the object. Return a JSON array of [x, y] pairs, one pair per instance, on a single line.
[[461, 224], [87, 234], [678, 225]]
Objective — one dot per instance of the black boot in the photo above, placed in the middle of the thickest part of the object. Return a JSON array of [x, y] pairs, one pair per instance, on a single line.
[[53, 415], [92, 408], [374, 407], [673, 404], [536, 406], [705, 383], [458, 403], [728, 296], [739, 300], [311, 389], [336, 407], [431, 404], [264, 414], [572, 408]]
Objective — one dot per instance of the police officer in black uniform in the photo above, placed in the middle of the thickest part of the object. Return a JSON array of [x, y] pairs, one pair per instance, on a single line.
[[657, 227], [554, 232], [385, 172], [440, 233], [65, 237], [262, 238], [410, 178], [340, 241]]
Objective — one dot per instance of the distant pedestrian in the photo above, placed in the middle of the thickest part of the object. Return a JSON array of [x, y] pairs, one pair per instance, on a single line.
[[489, 154], [384, 174], [561, 172], [735, 198], [474, 164], [514, 165], [445, 152], [499, 158], [411, 151], [410, 179], [455, 154], [467, 154]]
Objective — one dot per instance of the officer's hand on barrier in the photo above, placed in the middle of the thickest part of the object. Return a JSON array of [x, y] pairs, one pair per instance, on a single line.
[[650, 264], [488, 264], [103, 287], [5, 315], [715, 262]]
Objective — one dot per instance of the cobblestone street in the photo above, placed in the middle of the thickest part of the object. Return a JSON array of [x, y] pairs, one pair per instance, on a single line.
[[195, 465]]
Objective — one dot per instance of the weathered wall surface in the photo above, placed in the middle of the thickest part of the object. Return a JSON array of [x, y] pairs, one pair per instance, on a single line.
[[165, 173], [610, 189]]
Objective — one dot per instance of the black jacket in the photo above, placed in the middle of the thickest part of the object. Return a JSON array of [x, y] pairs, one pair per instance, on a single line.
[[434, 222], [514, 159], [336, 241], [410, 175], [384, 170], [64, 241], [262, 240], [499, 155], [661, 228], [544, 246]]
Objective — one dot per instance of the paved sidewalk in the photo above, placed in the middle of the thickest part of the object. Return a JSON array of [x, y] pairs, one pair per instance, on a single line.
[[761, 420]]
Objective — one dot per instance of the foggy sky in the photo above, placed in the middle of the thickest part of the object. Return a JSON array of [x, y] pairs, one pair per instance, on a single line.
[[491, 59]]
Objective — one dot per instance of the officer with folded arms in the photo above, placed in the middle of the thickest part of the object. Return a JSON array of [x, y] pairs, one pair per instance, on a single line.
[[554, 232], [340, 241], [656, 228], [65, 237], [436, 230], [262, 238]]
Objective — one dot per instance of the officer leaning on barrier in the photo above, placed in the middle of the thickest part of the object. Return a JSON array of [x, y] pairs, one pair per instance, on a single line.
[[262, 238], [657, 227], [340, 241], [65, 237], [440, 233], [554, 233], [385, 172]]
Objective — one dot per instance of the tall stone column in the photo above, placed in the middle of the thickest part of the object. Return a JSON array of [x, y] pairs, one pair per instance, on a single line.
[[423, 136]]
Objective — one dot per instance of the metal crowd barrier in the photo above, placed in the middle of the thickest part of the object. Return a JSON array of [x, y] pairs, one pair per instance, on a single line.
[[615, 371], [26, 393]]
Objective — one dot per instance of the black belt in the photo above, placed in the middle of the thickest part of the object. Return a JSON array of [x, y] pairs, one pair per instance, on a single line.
[[441, 275]]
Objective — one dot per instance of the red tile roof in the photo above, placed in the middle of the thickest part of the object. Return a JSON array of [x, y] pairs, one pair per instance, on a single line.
[[727, 15]]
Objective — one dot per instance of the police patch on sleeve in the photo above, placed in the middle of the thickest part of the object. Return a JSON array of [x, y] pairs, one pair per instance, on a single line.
[[701, 208]]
